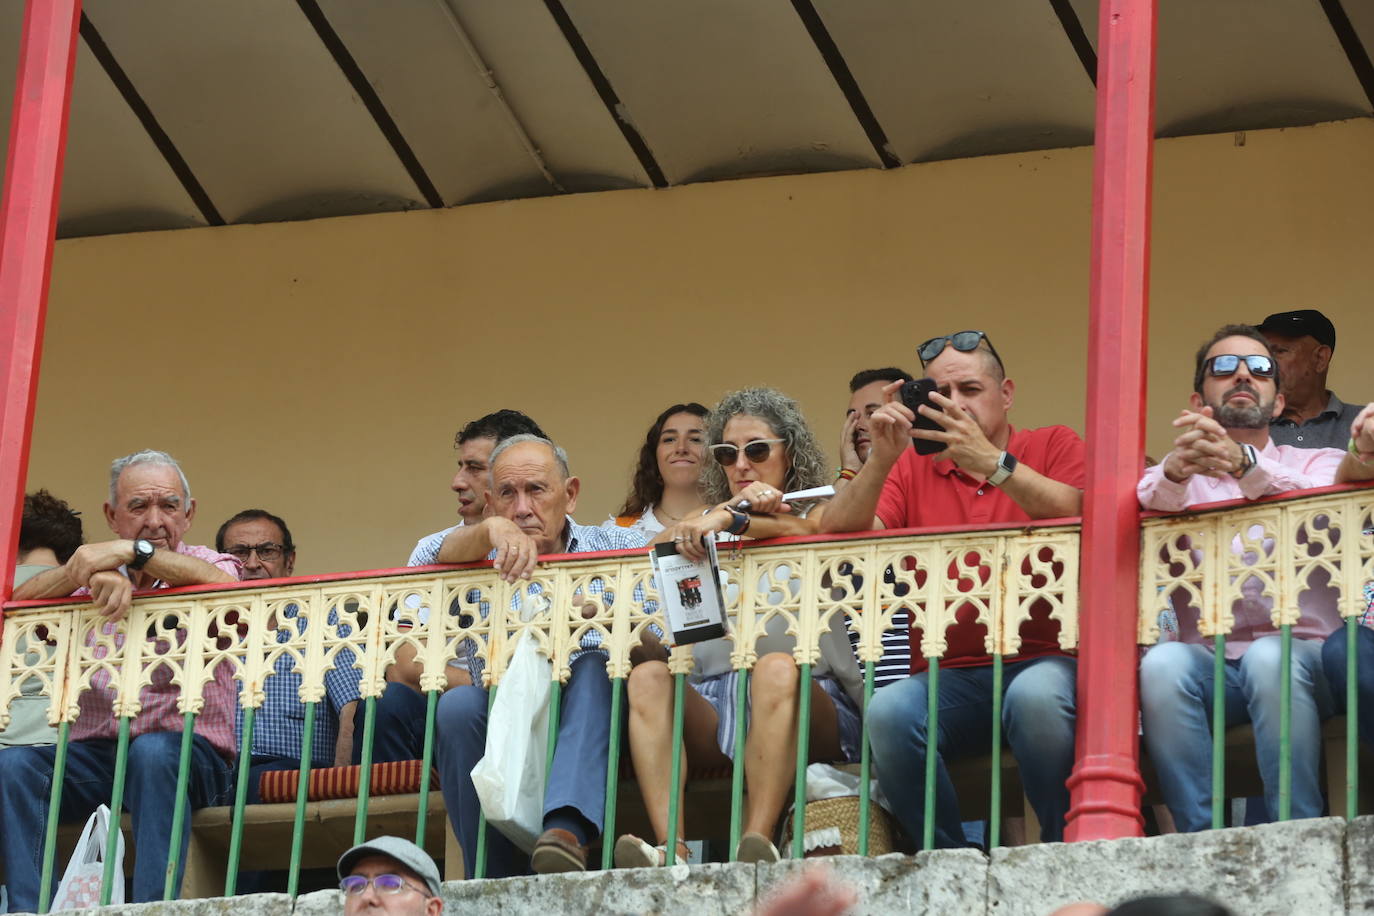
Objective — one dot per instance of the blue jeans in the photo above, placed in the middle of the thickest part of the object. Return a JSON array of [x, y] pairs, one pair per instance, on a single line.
[[26, 785], [1037, 718], [398, 726], [1333, 663], [1176, 715], [577, 779]]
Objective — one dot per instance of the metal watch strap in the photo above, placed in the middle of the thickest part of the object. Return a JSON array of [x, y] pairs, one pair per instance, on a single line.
[[1006, 463]]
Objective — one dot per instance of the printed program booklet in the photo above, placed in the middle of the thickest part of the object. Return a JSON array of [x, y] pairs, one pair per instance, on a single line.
[[693, 605]]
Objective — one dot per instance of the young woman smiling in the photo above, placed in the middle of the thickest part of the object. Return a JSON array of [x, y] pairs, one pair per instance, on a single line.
[[667, 479]]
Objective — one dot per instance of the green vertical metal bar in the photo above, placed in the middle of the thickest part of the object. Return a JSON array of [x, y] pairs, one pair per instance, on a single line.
[[59, 773], [231, 878], [737, 773], [479, 865], [188, 733], [865, 763], [612, 774], [302, 796], [426, 761], [365, 769], [675, 789], [1352, 714], [116, 807], [1286, 723], [1218, 731], [995, 815], [932, 750], [803, 754], [555, 708]]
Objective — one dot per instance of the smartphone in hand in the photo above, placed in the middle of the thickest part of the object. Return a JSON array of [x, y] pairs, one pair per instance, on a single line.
[[914, 394]]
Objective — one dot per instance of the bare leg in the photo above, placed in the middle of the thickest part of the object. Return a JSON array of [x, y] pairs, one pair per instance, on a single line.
[[771, 751], [650, 689]]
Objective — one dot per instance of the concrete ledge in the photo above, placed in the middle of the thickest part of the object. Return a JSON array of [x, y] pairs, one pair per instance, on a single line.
[[1279, 869], [1319, 867]]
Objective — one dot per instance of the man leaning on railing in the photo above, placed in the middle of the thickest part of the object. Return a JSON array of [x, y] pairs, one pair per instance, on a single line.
[[150, 509], [530, 497], [1223, 451], [988, 472]]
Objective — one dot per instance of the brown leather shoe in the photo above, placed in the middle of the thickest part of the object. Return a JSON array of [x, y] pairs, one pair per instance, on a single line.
[[558, 850]]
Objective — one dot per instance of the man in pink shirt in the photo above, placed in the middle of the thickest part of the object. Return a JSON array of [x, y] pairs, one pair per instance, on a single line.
[[150, 509], [1223, 452]]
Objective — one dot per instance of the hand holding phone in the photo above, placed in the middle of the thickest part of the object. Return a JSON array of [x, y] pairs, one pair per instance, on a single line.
[[916, 394]]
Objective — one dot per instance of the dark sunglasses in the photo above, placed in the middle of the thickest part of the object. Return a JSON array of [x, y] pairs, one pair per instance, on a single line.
[[756, 451], [964, 342], [1227, 364]]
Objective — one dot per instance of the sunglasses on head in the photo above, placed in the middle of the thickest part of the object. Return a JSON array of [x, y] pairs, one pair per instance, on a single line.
[[963, 341], [1227, 364], [757, 451]]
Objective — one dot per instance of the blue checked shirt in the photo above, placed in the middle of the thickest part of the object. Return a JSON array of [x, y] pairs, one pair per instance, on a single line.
[[581, 539], [278, 727], [426, 552]]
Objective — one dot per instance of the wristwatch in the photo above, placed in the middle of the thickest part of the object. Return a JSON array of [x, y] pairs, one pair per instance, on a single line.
[[1006, 463], [143, 552], [1248, 459]]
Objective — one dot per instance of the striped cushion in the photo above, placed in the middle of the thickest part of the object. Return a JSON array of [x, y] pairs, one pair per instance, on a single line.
[[400, 777]]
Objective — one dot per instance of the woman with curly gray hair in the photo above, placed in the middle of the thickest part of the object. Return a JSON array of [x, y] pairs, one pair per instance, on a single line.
[[760, 448]]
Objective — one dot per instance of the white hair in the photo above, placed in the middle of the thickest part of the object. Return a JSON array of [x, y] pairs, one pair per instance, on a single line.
[[146, 456], [559, 455]]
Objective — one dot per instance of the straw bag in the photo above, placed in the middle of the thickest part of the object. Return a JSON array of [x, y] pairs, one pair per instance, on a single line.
[[832, 828]]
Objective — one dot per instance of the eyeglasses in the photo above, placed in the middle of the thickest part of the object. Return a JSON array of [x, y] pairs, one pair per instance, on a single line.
[[266, 552], [1227, 364], [963, 341], [757, 451], [356, 885]]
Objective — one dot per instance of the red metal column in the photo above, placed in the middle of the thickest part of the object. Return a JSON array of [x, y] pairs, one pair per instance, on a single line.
[[1105, 786], [28, 225]]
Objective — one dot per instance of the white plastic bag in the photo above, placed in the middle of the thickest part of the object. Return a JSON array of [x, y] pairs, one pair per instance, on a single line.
[[80, 887], [509, 779]]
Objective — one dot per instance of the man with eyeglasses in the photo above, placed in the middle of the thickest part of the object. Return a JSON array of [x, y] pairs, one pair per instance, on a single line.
[[392, 875], [150, 509], [1223, 451], [1302, 343], [986, 472], [262, 542]]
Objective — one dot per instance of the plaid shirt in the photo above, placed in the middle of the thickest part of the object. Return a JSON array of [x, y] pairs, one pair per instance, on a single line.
[[159, 701], [581, 539], [278, 727]]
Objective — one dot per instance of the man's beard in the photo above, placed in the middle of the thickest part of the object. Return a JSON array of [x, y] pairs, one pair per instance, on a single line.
[[1256, 416]]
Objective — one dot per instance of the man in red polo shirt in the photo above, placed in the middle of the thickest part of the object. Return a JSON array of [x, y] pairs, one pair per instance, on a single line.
[[988, 472]]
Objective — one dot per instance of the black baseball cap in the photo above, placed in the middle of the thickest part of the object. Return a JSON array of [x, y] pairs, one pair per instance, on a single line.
[[1301, 323]]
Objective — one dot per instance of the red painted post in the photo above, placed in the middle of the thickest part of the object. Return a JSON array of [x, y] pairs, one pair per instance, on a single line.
[[1105, 786], [28, 226]]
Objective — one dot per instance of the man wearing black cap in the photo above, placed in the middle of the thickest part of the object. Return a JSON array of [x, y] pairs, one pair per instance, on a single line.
[[1302, 342], [389, 875]]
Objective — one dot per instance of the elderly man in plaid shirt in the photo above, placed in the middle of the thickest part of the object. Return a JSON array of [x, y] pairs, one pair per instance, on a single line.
[[150, 510], [531, 495]]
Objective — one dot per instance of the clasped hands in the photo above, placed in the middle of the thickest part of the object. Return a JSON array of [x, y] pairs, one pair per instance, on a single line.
[[688, 535], [1202, 447]]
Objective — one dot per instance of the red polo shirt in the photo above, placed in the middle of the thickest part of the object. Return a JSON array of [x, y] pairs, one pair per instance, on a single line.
[[929, 491]]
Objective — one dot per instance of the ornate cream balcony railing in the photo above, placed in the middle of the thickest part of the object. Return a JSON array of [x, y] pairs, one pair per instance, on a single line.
[[1266, 559], [804, 582]]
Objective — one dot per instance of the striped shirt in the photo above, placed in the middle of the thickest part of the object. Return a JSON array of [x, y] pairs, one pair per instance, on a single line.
[[159, 701]]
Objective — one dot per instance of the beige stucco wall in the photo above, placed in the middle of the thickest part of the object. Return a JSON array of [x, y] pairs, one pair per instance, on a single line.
[[320, 369]]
